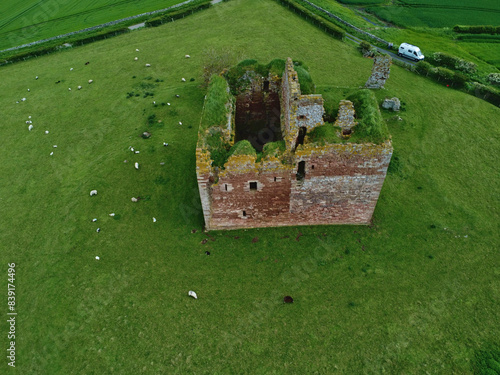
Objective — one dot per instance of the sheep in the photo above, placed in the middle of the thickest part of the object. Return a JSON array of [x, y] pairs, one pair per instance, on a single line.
[[187, 56], [79, 87], [69, 88], [94, 220], [192, 294], [97, 258], [90, 81], [29, 116], [132, 149], [36, 77], [52, 153], [98, 230], [134, 199], [136, 58], [30, 127], [136, 165], [137, 50], [154, 220], [112, 214], [55, 146], [28, 90], [46, 132], [180, 123], [165, 144], [183, 79], [23, 99], [168, 103], [148, 65], [137, 152], [93, 192], [71, 69]]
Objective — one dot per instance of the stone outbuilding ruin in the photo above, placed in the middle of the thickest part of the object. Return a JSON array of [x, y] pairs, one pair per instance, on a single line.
[[290, 168]]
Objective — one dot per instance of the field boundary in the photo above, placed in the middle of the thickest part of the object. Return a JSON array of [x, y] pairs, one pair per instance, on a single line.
[[337, 18], [93, 28]]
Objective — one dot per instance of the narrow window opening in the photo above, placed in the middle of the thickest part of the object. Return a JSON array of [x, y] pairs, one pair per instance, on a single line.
[[253, 185], [275, 179], [346, 132], [244, 213], [266, 86], [301, 171], [312, 166], [301, 136], [225, 186], [302, 117]]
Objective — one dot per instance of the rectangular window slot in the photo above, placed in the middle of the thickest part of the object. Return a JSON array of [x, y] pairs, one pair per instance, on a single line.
[[244, 213], [253, 185]]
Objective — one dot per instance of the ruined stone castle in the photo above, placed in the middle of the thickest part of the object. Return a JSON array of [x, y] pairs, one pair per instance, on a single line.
[[266, 164]]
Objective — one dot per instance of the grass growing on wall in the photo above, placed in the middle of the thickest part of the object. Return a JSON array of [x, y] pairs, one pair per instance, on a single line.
[[415, 292]]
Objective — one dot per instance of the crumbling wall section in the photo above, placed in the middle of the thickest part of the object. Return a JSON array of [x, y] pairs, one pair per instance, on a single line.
[[250, 194], [380, 72], [297, 110], [342, 182]]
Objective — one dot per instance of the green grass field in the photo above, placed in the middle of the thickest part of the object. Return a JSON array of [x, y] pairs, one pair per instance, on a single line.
[[442, 13], [415, 292], [34, 20]]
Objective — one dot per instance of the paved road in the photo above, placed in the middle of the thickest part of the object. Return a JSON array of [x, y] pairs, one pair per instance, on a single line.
[[382, 50]]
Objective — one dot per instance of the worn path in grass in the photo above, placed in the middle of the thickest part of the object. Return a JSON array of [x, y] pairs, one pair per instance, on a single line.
[[415, 292]]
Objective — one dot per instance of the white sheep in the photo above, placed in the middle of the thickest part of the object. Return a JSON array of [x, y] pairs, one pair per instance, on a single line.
[[136, 165], [79, 87], [187, 56], [137, 50], [36, 77], [180, 123], [97, 258], [30, 127], [136, 58], [148, 65], [71, 69], [183, 79], [55, 146], [28, 90], [112, 214], [90, 80], [154, 220], [46, 132], [29, 116], [23, 99], [134, 199], [69, 89], [168, 103], [52, 153], [192, 294], [137, 152], [93, 192]]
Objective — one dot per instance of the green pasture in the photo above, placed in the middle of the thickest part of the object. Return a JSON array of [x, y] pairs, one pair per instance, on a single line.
[[488, 52], [436, 14], [416, 292], [31, 20]]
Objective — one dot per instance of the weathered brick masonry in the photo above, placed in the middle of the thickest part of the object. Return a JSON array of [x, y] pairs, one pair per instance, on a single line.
[[308, 184]]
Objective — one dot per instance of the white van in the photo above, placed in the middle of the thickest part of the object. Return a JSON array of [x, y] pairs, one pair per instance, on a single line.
[[410, 52]]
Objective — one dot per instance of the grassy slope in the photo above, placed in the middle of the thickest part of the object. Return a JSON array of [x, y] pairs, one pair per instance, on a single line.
[[35, 20], [367, 299]]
